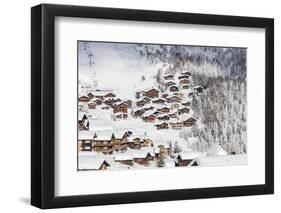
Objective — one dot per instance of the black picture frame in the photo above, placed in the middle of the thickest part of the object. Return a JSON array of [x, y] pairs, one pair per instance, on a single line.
[[43, 102]]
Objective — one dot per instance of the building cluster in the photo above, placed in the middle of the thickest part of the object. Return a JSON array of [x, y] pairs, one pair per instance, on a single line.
[[128, 149], [107, 100], [168, 109], [125, 148]]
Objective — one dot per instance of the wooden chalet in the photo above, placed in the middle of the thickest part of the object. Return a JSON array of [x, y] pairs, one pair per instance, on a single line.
[[184, 81], [189, 122], [84, 98], [156, 112], [183, 110], [186, 73], [178, 94], [141, 103], [164, 109], [124, 159], [175, 105], [146, 99], [165, 95], [134, 142], [163, 117], [120, 108], [183, 77], [152, 93], [142, 158], [121, 115], [146, 142], [99, 96], [107, 144], [91, 95], [159, 101], [86, 146], [173, 88], [169, 83], [92, 105], [174, 99], [173, 115], [185, 86], [138, 113], [85, 141], [168, 77], [187, 104], [184, 159], [176, 124], [149, 118], [110, 101], [103, 144], [163, 125], [190, 95], [148, 108], [137, 142], [129, 103], [198, 89], [110, 95], [83, 121], [97, 101]]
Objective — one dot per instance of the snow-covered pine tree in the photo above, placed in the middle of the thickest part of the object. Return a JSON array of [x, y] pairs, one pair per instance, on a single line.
[[177, 148], [161, 161]]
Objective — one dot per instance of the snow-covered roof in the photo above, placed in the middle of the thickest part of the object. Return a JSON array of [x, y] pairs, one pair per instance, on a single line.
[[156, 150], [91, 162], [190, 155], [158, 99], [229, 160], [107, 134], [152, 89], [164, 106], [163, 144], [120, 157], [85, 135], [160, 122], [100, 92], [92, 101], [185, 117], [174, 120], [216, 150], [140, 154], [81, 115], [148, 150], [173, 86], [103, 138], [148, 113]]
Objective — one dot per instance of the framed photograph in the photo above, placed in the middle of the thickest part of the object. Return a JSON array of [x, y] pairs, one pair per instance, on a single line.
[[140, 106]]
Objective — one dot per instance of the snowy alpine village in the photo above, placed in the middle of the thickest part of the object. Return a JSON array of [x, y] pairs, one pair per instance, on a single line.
[[143, 106]]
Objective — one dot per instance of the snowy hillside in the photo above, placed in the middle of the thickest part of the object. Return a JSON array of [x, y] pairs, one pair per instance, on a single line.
[[149, 106]]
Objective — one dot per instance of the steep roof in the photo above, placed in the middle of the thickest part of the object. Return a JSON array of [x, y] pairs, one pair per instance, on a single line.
[[120, 157], [81, 115]]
